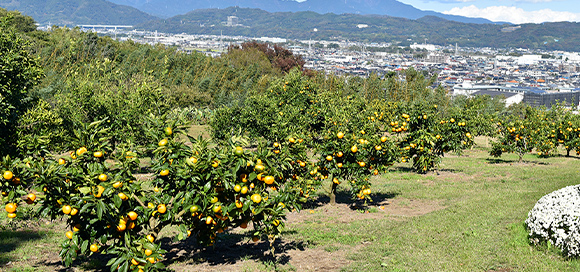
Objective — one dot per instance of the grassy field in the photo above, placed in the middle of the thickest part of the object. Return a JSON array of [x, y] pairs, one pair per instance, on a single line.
[[467, 217]]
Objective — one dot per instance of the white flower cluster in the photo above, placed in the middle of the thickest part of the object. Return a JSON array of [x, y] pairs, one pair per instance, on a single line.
[[556, 219]]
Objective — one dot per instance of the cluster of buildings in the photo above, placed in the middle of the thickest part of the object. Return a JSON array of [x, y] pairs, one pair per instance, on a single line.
[[520, 75], [535, 78]]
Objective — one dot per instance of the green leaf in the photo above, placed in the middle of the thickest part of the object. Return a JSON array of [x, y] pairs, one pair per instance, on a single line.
[[85, 190]]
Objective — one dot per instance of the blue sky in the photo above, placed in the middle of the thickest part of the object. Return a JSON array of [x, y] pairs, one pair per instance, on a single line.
[[514, 11]]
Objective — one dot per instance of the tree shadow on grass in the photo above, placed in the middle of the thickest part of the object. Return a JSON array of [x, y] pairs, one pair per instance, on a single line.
[[229, 249], [345, 197], [512, 162], [11, 240]]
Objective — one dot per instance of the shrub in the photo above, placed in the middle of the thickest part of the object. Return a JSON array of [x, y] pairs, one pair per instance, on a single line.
[[555, 219]]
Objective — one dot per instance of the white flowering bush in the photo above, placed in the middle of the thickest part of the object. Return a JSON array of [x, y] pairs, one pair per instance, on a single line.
[[556, 219]]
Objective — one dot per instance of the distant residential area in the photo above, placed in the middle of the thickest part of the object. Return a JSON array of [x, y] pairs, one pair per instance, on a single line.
[[532, 76]]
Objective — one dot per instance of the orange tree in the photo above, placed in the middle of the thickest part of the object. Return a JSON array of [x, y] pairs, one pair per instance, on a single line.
[[16, 185], [294, 109], [521, 134], [565, 128], [426, 134], [197, 189], [351, 145]]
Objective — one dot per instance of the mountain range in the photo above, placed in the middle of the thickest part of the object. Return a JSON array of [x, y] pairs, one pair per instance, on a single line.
[[170, 8], [74, 12], [370, 28]]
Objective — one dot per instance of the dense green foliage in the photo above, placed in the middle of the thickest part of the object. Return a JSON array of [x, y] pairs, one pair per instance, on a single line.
[[19, 72]]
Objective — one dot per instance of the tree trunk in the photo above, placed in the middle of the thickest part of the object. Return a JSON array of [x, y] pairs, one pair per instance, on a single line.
[[332, 194]]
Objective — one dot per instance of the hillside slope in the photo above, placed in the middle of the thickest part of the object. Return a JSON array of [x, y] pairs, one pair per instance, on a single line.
[[72, 12]]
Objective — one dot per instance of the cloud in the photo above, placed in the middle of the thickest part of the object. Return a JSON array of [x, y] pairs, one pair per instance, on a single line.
[[515, 15], [536, 1]]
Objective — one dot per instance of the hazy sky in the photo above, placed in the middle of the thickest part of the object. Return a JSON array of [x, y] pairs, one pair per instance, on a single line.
[[514, 11]]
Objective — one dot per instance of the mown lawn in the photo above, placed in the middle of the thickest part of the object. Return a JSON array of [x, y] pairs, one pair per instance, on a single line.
[[467, 217]]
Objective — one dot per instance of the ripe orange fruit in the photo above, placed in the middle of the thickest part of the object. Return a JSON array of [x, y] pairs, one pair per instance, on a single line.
[[259, 168], [150, 238], [214, 199], [168, 131], [132, 215], [94, 248], [100, 190], [163, 142], [77, 227], [117, 184], [121, 227], [244, 190], [81, 150], [215, 164], [69, 234], [239, 204], [103, 177], [378, 148], [11, 215], [151, 260], [10, 207], [7, 175], [148, 252], [384, 139], [256, 198], [208, 220], [269, 180], [66, 209], [328, 158], [61, 161], [161, 208], [237, 188], [134, 262], [131, 225], [123, 196], [339, 165], [164, 172], [31, 197], [354, 149], [291, 140], [217, 208], [339, 154], [340, 135], [98, 154]]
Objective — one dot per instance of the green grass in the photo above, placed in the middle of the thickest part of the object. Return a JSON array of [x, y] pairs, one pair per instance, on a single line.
[[480, 227]]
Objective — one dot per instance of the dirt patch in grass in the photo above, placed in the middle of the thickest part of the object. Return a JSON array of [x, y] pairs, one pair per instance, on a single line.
[[346, 213]]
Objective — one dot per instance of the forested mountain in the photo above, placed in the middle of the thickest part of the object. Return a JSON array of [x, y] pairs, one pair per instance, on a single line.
[[72, 12], [169, 8], [300, 25]]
